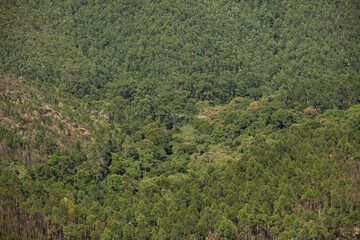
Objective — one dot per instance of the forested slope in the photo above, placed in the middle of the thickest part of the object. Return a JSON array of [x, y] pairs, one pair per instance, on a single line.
[[207, 50], [179, 119]]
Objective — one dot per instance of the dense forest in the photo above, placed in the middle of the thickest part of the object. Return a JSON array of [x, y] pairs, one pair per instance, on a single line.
[[178, 119]]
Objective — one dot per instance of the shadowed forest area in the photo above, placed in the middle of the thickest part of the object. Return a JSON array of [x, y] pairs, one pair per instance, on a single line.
[[177, 119]]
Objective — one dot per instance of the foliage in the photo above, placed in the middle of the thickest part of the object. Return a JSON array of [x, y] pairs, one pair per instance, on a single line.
[[179, 119]]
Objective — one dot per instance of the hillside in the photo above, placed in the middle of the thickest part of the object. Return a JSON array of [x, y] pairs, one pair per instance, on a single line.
[[178, 119], [200, 50]]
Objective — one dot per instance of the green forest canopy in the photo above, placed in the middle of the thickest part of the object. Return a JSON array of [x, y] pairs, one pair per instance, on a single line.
[[179, 119]]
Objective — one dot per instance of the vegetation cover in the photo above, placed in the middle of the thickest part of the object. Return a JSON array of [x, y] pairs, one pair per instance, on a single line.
[[176, 119]]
